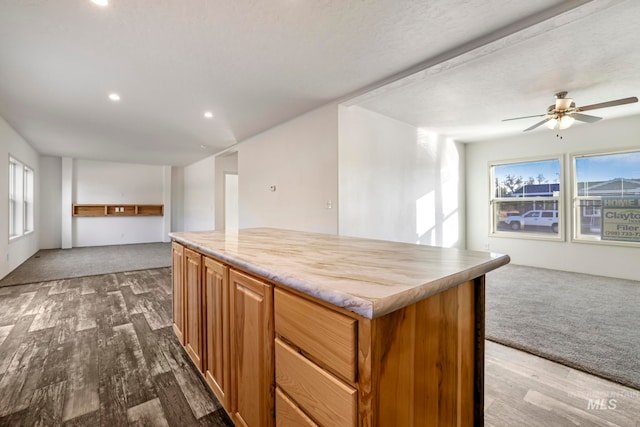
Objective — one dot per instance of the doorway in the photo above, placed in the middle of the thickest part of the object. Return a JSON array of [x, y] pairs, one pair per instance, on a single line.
[[230, 201]]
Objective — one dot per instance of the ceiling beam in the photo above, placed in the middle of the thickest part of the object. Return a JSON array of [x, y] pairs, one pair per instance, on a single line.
[[517, 32]]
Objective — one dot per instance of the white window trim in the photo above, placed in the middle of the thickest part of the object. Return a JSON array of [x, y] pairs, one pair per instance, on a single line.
[[21, 191], [556, 237], [28, 196], [576, 236]]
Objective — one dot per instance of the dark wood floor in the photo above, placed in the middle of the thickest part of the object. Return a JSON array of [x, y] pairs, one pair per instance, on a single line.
[[99, 351]]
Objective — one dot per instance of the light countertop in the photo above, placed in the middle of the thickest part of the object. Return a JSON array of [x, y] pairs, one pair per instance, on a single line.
[[368, 277]]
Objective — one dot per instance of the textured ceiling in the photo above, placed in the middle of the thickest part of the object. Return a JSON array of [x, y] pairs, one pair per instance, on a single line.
[[591, 52], [257, 63]]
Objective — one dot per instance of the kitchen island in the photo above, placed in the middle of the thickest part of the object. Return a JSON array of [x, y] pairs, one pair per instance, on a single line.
[[296, 328]]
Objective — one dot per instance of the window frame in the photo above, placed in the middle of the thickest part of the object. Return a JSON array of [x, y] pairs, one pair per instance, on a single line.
[[559, 200], [28, 199], [576, 207], [21, 218], [13, 199]]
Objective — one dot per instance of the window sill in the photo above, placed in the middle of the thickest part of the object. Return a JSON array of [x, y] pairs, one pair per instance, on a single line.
[[18, 237], [528, 236]]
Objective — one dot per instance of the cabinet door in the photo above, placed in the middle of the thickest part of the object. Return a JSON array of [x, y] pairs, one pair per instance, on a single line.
[[252, 371], [216, 298], [177, 259], [193, 307]]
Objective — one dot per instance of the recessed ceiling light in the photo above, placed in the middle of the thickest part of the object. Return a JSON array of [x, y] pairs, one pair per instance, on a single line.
[[114, 97], [208, 115], [100, 2], [204, 147]]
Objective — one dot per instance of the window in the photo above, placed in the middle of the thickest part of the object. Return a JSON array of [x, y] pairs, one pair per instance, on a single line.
[[21, 199], [526, 198], [606, 197], [27, 200], [13, 199]]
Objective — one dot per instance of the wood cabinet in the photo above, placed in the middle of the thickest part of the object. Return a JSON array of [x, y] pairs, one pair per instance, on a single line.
[[273, 355], [216, 300], [117, 210], [421, 365], [288, 414], [325, 336], [224, 319], [177, 263], [316, 361], [318, 393], [193, 341], [252, 335]]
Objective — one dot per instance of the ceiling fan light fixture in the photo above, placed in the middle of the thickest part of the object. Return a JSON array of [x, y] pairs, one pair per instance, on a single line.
[[564, 112], [566, 122], [563, 104], [551, 124], [560, 123]]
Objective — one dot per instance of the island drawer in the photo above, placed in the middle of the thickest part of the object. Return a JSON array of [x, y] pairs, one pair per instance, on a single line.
[[326, 336], [288, 414], [321, 395]]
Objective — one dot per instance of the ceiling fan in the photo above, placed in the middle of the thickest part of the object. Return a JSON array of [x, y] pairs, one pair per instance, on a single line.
[[564, 112]]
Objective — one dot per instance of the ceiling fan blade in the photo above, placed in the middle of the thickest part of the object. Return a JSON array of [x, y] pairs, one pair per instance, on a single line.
[[622, 101], [537, 124], [525, 117], [585, 117]]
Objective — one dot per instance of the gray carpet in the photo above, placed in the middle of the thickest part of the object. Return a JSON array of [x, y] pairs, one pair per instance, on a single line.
[[56, 264], [587, 322]]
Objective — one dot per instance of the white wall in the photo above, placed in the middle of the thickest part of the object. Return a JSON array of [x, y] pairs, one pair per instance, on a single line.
[[111, 183], [227, 163], [167, 194], [199, 195], [607, 260], [50, 202], [177, 198], [299, 157], [66, 200], [398, 182], [14, 253]]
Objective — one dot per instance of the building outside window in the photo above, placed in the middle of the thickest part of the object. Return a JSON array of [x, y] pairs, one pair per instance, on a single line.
[[21, 199], [526, 198], [606, 202]]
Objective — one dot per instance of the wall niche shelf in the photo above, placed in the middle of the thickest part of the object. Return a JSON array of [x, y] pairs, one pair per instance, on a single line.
[[118, 210]]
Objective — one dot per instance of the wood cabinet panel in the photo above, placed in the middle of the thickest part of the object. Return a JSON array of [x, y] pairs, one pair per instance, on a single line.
[[417, 368], [288, 414], [89, 210], [328, 337], [252, 334], [150, 210], [177, 275], [324, 397], [216, 301], [193, 306]]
